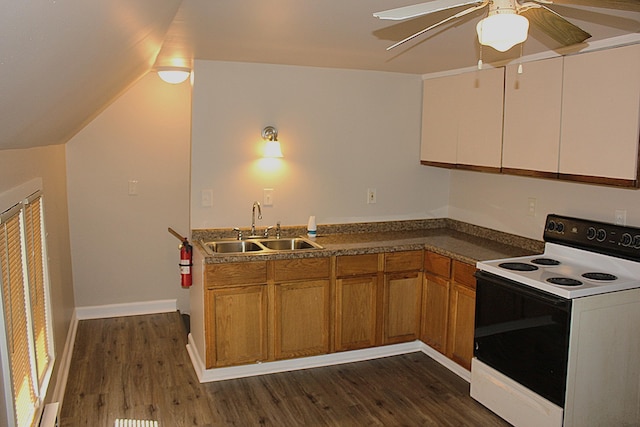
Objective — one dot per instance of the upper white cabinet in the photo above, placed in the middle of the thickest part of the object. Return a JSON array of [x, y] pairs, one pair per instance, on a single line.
[[574, 118], [462, 120], [601, 116], [532, 108]]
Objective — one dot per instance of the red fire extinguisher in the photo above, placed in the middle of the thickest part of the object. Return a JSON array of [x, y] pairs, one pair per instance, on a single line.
[[186, 260]]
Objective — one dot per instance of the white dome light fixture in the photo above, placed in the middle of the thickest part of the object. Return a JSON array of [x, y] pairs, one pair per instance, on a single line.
[[503, 28], [174, 75]]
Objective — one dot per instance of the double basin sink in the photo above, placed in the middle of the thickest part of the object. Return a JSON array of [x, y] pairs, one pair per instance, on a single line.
[[259, 245]]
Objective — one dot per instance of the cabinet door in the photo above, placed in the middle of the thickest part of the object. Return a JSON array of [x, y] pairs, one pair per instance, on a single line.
[[356, 300], [440, 121], [236, 325], [402, 303], [600, 115], [435, 312], [480, 119], [462, 310], [462, 120], [532, 108], [301, 319]]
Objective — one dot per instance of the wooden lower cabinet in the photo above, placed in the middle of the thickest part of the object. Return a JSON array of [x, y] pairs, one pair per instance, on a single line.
[[301, 307], [282, 309], [356, 302], [435, 312], [301, 319], [356, 312], [448, 306], [402, 296], [236, 325], [462, 311]]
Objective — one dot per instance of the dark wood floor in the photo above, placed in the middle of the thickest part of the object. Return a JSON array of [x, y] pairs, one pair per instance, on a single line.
[[138, 368]]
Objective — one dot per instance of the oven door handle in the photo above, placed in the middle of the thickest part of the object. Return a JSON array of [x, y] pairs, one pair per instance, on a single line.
[[519, 288]]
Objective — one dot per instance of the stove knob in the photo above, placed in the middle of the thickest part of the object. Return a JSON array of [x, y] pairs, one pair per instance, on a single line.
[[551, 226], [636, 242], [626, 239], [601, 235], [591, 233], [560, 227]]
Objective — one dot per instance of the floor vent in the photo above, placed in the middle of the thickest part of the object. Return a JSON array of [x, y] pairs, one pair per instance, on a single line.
[[50, 415], [135, 423]]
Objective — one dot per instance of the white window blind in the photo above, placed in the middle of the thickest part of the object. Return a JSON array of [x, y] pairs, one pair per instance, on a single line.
[[24, 308]]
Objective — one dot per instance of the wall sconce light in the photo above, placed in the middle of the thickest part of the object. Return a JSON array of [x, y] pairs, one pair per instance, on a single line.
[[272, 145], [502, 30], [173, 75]]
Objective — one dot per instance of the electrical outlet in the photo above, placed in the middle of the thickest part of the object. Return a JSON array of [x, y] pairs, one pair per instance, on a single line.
[[621, 217], [267, 197], [206, 198], [371, 196], [531, 211]]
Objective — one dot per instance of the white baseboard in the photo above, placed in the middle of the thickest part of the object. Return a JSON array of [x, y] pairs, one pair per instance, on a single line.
[[126, 309], [219, 374], [446, 362]]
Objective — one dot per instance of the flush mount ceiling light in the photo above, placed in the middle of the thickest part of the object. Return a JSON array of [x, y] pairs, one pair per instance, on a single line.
[[272, 145], [502, 29], [173, 75]]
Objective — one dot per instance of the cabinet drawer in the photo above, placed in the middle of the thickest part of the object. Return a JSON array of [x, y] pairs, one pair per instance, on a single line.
[[301, 268], [403, 261], [437, 264], [464, 274], [237, 273], [353, 265]]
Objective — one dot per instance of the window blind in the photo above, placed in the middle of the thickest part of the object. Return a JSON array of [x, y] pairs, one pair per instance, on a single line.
[[25, 307], [35, 272]]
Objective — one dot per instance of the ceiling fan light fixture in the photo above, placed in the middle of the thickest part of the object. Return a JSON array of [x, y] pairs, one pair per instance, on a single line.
[[502, 31]]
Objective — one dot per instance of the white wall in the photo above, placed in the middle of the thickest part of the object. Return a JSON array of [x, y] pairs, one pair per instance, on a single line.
[[121, 250], [342, 132], [48, 163], [501, 202]]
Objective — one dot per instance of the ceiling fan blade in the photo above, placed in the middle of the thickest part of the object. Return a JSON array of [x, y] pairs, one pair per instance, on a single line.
[[457, 15], [416, 10], [556, 26], [630, 5]]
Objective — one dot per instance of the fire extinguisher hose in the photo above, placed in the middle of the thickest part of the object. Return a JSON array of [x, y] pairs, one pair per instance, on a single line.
[[175, 233]]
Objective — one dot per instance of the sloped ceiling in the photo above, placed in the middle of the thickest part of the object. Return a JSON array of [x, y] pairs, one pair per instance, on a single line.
[[63, 61]]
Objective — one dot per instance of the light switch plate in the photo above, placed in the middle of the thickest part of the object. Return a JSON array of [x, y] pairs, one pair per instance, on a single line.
[[206, 198]]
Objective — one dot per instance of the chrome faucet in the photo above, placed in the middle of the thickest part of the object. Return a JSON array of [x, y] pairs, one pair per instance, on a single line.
[[253, 217]]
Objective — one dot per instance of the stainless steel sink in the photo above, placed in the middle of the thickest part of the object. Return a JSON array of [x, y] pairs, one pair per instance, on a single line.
[[259, 245], [233, 246], [297, 243]]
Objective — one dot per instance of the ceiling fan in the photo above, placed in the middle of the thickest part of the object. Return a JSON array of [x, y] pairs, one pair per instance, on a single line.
[[507, 21]]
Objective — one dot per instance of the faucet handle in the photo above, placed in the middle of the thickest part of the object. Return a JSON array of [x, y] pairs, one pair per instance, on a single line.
[[239, 232], [266, 231]]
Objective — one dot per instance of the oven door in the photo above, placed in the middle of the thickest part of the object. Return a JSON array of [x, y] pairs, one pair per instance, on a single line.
[[524, 334]]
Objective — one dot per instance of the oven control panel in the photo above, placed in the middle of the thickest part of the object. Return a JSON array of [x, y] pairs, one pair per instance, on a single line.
[[610, 239]]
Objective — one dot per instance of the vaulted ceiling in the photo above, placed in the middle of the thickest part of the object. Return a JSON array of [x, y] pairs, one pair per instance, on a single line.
[[63, 61]]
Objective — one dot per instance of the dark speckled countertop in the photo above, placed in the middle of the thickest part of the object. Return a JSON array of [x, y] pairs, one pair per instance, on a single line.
[[458, 240]]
